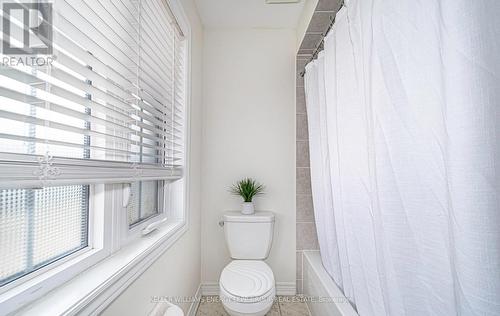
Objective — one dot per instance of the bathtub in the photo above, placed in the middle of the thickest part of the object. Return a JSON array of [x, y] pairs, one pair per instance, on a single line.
[[322, 295]]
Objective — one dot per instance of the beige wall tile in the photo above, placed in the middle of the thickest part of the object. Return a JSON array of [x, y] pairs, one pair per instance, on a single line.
[[306, 236], [299, 80], [320, 21], [305, 210], [302, 132], [301, 63], [329, 5], [302, 153], [310, 41], [303, 181], [300, 97]]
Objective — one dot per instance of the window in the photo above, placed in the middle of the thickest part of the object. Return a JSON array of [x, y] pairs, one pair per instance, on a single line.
[[38, 227], [101, 120], [144, 202]]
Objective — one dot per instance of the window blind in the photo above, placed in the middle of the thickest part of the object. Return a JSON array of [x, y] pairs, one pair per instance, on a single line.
[[109, 108]]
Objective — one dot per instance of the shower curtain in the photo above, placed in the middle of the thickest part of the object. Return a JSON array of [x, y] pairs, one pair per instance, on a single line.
[[404, 112]]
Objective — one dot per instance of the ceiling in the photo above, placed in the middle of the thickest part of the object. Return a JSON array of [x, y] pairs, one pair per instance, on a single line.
[[248, 14]]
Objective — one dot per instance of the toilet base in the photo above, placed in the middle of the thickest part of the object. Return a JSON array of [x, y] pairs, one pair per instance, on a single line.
[[235, 307], [235, 313]]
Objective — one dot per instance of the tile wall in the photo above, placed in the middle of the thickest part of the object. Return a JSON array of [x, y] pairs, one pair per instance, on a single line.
[[306, 229]]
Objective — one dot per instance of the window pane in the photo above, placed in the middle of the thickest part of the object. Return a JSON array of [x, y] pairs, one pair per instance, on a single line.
[[38, 227], [143, 201]]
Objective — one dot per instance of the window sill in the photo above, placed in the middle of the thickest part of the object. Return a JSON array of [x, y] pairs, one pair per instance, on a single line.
[[91, 291]]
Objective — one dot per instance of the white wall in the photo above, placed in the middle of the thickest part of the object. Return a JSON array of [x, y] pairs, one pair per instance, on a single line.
[[248, 130], [177, 272]]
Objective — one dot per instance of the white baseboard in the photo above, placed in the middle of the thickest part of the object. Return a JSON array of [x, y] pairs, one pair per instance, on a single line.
[[195, 303], [210, 289], [282, 288], [286, 288]]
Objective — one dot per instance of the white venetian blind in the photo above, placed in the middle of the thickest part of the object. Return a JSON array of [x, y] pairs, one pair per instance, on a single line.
[[111, 106]]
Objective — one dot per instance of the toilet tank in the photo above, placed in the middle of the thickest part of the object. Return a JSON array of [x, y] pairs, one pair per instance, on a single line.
[[249, 236]]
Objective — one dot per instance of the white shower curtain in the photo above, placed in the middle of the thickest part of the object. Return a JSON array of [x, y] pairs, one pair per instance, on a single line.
[[404, 112]]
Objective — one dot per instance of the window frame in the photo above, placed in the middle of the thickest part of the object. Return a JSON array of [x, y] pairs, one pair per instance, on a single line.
[[92, 241], [160, 203], [123, 254], [21, 291], [134, 231]]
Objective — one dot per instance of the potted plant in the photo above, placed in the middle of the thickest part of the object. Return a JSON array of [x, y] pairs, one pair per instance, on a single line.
[[247, 188]]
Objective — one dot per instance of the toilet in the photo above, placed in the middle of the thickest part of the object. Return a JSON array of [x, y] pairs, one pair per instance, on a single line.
[[247, 286]]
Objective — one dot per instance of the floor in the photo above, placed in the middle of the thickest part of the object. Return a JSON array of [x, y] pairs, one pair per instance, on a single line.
[[283, 306]]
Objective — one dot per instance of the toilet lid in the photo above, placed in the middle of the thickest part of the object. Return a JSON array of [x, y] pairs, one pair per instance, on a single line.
[[247, 278]]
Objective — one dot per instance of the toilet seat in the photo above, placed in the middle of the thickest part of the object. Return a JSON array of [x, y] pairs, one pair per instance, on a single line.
[[247, 279], [247, 287]]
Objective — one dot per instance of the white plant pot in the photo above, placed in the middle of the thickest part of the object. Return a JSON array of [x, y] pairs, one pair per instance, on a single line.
[[247, 208]]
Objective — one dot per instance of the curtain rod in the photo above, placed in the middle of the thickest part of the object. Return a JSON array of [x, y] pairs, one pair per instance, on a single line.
[[318, 47]]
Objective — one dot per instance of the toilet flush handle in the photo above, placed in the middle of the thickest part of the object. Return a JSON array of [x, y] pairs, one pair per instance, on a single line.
[[221, 223]]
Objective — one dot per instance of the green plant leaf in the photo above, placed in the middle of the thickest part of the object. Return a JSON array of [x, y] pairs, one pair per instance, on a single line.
[[247, 188]]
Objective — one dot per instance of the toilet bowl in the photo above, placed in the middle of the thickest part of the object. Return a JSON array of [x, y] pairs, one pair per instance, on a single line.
[[247, 286]]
